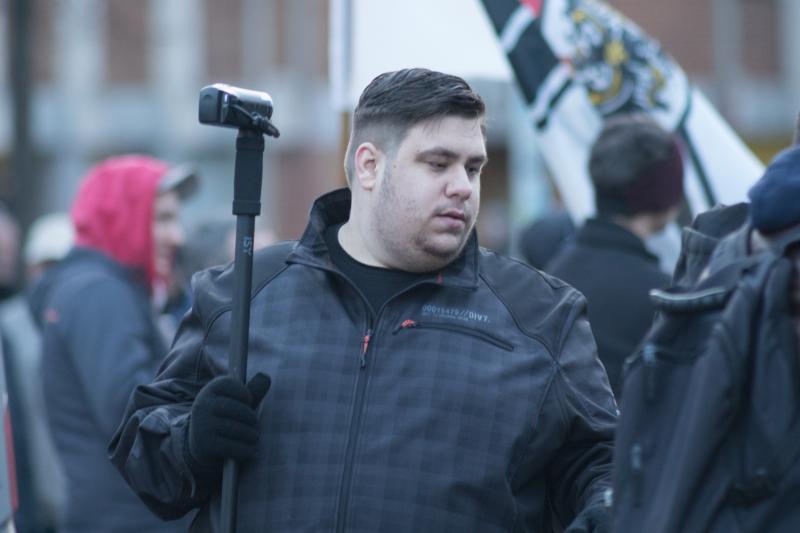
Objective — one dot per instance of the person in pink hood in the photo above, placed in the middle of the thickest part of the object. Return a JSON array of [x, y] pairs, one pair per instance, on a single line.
[[100, 337], [128, 210]]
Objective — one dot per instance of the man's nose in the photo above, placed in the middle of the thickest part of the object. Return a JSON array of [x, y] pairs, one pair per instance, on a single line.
[[459, 184]]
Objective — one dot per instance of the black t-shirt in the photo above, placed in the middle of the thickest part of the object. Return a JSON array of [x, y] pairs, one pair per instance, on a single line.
[[376, 283]]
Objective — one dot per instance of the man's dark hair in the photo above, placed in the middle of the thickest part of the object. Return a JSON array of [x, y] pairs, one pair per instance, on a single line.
[[635, 166], [395, 101]]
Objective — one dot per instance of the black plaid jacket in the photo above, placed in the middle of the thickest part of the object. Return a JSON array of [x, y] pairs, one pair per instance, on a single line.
[[471, 402]]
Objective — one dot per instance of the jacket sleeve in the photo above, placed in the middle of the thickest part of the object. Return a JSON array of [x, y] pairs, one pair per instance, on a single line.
[[580, 395], [148, 447]]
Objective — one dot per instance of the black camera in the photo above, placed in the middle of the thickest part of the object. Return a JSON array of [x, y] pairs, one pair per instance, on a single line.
[[233, 107]]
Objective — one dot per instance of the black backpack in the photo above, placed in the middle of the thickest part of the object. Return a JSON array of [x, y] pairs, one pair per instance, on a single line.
[[709, 434]]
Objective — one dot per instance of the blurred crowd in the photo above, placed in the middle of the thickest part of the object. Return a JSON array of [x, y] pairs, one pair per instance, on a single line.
[[57, 254]]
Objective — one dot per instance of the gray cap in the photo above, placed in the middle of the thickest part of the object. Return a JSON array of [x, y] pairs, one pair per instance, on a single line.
[[181, 179]]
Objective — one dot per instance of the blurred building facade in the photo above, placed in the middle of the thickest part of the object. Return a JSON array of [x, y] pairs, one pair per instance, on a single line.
[[111, 76]]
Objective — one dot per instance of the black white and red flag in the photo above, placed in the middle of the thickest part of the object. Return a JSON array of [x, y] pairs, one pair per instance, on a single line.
[[579, 61]]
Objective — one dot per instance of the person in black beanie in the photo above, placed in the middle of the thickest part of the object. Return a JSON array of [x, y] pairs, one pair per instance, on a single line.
[[775, 214], [775, 199], [636, 169], [741, 382]]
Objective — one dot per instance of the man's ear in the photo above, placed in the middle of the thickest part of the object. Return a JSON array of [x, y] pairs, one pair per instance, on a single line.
[[365, 165]]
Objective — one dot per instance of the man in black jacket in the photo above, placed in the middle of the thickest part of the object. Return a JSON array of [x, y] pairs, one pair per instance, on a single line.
[[637, 174], [419, 383]]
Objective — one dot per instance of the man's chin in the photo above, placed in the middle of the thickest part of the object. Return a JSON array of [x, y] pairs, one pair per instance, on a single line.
[[446, 247]]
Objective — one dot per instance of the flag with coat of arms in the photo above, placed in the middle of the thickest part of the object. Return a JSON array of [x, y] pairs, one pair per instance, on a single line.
[[579, 61]]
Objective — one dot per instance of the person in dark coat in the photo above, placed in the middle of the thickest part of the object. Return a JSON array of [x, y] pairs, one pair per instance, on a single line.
[[637, 173], [541, 240], [419, 382], [99, 334], [730, 378]]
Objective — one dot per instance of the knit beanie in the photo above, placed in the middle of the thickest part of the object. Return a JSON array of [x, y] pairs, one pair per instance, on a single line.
[[775, 198], [636, 167]]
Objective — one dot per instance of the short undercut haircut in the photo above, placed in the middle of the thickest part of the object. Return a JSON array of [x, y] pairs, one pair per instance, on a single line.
[[395, 101]]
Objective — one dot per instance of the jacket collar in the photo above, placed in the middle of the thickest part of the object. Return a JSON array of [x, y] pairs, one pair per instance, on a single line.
[[333, 208], [601, 232], [730, 248], [80, 259], [79, 254]]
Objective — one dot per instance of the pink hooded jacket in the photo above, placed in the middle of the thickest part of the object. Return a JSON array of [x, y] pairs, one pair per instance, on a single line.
[[113, 210]]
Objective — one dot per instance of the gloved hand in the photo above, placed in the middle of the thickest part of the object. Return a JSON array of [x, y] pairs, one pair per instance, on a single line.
[[223, 422], [593, 519]]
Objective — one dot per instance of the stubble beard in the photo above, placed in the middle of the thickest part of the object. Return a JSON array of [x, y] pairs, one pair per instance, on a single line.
[[444, 253], [421, 253]]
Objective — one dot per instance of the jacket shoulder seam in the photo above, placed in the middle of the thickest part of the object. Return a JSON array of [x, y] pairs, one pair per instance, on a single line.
[[574, 391], [228, 307], [551, 281], [517, 322], [574, 313]]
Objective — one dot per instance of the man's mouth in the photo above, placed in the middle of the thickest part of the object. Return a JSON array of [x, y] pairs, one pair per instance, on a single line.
[[455, 214]]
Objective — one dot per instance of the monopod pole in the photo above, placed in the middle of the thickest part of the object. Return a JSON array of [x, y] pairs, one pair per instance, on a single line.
[[246, 206]]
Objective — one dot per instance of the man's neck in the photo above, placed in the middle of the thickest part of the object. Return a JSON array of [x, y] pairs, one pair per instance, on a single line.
[[641, 226], [353, 244], [376, 284]]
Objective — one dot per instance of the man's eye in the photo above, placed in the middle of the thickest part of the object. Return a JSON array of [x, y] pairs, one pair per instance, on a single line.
[[473, 171], [437, 165]]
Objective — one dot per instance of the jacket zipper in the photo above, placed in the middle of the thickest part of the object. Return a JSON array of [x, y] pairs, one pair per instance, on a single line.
[[365, 347], [636, 473], [352, 437], [491, 339], [649, 357], [361, 385]]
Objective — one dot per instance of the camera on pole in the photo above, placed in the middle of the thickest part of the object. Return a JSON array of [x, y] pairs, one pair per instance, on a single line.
[[233, 107], [249, 112]]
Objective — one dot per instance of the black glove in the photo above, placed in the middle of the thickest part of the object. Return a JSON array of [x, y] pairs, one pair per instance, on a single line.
[[223, 422], [593, 519]]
